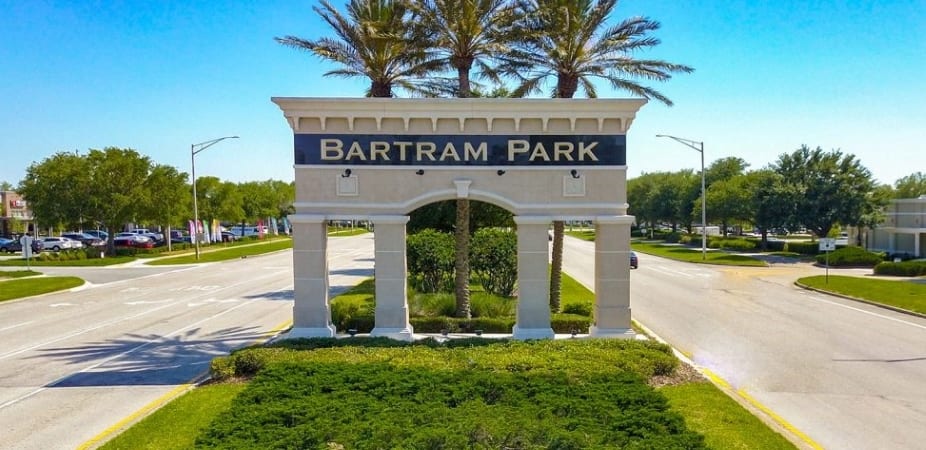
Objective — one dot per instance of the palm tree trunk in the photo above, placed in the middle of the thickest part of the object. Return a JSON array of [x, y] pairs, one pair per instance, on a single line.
[[556, 266], [461, 259], [463, 76]]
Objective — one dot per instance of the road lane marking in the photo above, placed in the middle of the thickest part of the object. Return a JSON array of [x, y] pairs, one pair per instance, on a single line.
[[717, 380], [57, 305], [144, 410], [168, 397], [16, 326], [916, 325]]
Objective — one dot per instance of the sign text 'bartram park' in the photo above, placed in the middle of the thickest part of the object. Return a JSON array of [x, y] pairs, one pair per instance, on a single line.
[[460, 150]]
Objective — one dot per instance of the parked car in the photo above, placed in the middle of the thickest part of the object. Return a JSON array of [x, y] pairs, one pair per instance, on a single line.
[[634, 261], [157, 237], [228, 236], [102, 235], [58, 243], [85, 239], [132, 240], [13, 245]]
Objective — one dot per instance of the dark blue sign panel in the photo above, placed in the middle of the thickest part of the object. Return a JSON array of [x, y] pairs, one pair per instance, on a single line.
[[461, 150]]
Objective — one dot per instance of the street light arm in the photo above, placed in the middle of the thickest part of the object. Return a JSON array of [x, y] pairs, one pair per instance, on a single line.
[[204, 145], [697, 145]]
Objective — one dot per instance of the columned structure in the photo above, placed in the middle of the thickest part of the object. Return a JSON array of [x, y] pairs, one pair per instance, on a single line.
[[379, 159]]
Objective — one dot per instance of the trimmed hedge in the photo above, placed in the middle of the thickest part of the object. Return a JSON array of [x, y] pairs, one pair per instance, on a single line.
[[739, 244], [804, 248], [851, 256], [902, 269]]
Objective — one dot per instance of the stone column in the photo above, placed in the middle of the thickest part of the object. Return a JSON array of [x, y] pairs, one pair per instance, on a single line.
[[612, 277], [390, 270], [533, 320], [311, 310]]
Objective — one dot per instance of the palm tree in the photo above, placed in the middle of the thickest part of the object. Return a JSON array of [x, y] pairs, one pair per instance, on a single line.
[[570, 40], [464, 34], [377, 41]]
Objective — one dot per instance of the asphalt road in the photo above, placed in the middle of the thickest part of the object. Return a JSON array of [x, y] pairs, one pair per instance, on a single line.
[[846, 374], [73, 364]]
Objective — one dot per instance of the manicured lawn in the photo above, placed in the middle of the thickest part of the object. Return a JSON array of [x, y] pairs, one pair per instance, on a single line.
[[176, 425], [722, 421], [682, 253], [228, 253], [904, 294], [344, 232], [18, 273], [585, 235], [95, 262], [13, 289]]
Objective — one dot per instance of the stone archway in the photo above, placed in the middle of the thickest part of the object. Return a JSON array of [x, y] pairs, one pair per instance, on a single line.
[[378, 159]]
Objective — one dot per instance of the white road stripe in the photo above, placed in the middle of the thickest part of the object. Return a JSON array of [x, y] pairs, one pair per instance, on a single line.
[[916, 325], [16, 326]]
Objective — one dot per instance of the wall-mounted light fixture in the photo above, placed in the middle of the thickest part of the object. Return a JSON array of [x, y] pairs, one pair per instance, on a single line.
[[500, 172], [574, 173], [419, 172], [346, 173]]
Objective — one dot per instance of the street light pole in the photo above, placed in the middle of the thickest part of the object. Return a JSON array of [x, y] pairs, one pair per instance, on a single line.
[[194, 149], [700, 149]]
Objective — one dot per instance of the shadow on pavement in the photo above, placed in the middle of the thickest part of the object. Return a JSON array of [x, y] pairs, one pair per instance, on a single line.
[[138, 360]]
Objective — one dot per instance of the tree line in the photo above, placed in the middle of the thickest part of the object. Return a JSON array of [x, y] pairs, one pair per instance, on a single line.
[[111, 187], [808, 188]]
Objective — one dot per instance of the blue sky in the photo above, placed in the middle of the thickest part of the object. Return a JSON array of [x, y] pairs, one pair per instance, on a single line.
[[159, 76]]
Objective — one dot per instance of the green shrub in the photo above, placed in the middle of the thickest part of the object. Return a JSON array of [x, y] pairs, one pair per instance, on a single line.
[[434, 324], [672, 237], [221, 368], [353, 312], [439, 304], [94, 252], [430, 260], [771, 246], [569, 323], [739, 244], [902, 269], [494, 260], [804, 248], [851, 256], [688, 239], [578, 309], [488, 305]]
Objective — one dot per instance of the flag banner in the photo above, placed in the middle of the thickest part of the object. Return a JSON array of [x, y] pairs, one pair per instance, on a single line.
[[273, 226], [260, 229], [192, 230]]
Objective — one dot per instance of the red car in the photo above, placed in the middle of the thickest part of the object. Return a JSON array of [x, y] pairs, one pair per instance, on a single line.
[[135, 241]]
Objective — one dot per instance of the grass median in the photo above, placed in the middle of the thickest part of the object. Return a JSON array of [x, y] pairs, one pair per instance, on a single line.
[[904, 294], [223, 254], [18, 273], [687, 254], [13, 289], [93, 262]]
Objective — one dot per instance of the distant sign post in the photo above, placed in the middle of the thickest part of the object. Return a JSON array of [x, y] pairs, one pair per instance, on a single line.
[[26, 242], [827, 245]]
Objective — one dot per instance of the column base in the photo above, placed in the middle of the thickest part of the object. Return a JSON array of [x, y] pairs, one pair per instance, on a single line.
[[523, 334], [399, 334], [297, 333], [618, 333]]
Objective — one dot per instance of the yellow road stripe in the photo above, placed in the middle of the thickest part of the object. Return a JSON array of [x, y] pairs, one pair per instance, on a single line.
[[781, 421], [157, 403], [755, 403], [164, 399]]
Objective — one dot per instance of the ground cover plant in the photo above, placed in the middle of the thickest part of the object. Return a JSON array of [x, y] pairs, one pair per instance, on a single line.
[[377, 393], [681, 253], [232, 252], [28, 287], [907, 295]]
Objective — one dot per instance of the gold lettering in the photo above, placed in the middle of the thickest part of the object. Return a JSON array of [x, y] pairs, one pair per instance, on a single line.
[[539, 152], [476, 153], [563, 149], [587, 150], [450, 152], [425, 149], [332, 149], [517, 146], [403, 146], [379, 149], [355, 151]]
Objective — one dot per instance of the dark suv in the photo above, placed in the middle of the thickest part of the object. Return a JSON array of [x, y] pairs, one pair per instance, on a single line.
[[13, 246]]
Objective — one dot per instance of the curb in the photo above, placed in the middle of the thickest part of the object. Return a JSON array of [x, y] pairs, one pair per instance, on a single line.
[[742, 398], [860, 300]]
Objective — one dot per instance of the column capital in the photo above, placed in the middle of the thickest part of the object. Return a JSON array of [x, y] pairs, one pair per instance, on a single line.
[[307, 218], [533, 220], [615, 220], [389, 220]]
